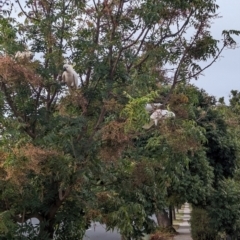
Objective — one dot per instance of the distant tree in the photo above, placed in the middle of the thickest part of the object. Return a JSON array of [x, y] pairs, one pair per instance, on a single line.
[[222, 150]]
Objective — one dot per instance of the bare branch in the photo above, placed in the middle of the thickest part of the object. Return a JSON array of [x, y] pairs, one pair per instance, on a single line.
[[133, 32], [28, 16], [179, 31], [137, 39], [101, 117], [209, 65], [64, 194]]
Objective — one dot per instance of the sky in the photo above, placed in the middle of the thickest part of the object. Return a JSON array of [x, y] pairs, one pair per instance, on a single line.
[[224, 74]]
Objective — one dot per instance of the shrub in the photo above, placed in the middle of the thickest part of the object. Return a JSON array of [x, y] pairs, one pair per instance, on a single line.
[[163, 234], [200, 225]]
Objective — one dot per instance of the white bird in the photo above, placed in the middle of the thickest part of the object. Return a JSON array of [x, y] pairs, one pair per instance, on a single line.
[[24, 55], [161, 114], [152, 106], [69, 76]]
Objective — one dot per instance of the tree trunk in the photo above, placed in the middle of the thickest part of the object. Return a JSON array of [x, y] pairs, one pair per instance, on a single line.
[[163, 219], [170, 215], [46, 229], [50, 230], [174, 213], [48, 222], [50, 218]]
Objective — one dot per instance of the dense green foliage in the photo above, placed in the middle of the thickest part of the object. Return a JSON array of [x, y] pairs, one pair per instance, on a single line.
[[71, 157], [222, 148], [201, 228]]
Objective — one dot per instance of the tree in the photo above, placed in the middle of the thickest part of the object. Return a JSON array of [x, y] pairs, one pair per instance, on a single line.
[[70, 158], [220, 210]]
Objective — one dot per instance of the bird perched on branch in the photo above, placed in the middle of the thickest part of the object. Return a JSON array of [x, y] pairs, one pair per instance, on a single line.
[[158, 114], [24, 55], [152, 106], [161, 114], [69, 76]]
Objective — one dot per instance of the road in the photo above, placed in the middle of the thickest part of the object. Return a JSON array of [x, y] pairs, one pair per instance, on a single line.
[[98, 232]]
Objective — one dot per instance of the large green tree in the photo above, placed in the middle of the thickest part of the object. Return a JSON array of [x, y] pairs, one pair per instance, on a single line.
[[220, 210], [70, 158]]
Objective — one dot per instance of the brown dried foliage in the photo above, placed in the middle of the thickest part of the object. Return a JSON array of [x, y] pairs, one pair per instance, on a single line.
[[92, 214], [114, 132], [112, 105], [233, 121], [111, 153], [177, 99], [178, 105], [3, 173], [178, 140], [77, 99], [161, 236], [167, 233], [13, 72], [139, 175], [26, 159], [103, 196], [115, 141]]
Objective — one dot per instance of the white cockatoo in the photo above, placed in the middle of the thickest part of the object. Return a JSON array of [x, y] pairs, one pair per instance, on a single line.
[[69, 76], [24, 55], [161, 114], [152, 106]]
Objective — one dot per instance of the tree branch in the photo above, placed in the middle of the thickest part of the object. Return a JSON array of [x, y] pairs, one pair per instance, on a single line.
[[207, 66], [19, 4]]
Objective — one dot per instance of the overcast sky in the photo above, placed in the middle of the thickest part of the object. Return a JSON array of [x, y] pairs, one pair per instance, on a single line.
[[224, 74]]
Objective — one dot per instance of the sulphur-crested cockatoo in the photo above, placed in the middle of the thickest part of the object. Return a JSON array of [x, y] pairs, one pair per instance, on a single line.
[[161, 114], [69, 76], [24, 55], [152, 106]]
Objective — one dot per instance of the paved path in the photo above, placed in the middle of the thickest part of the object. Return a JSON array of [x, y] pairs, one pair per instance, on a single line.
[[184, 230]]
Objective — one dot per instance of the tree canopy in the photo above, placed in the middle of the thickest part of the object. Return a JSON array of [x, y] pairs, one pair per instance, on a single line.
[[68, 158]]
